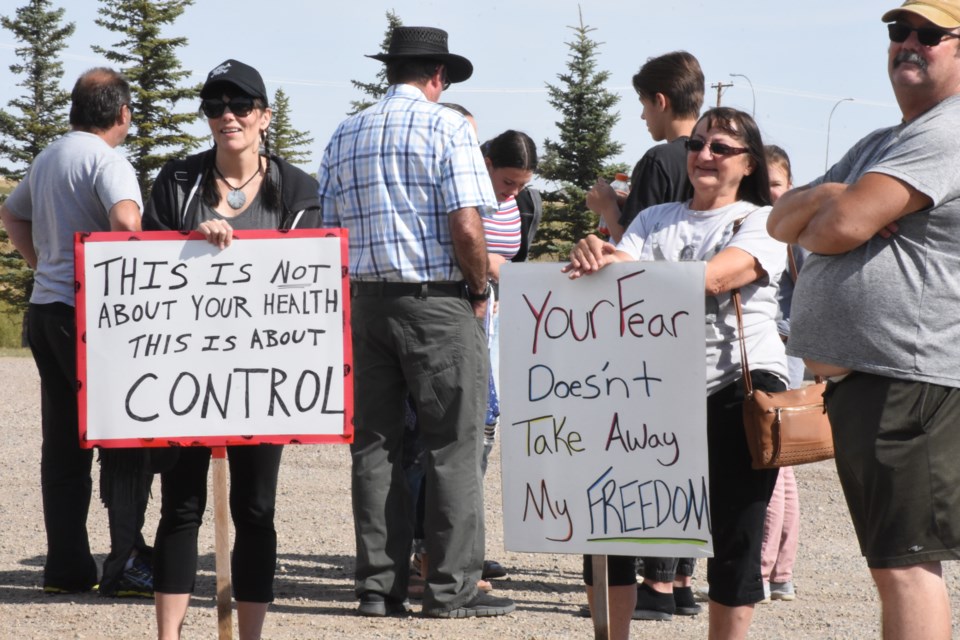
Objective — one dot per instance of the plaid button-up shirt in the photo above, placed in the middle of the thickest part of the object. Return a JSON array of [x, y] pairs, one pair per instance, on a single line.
[[391, 175]]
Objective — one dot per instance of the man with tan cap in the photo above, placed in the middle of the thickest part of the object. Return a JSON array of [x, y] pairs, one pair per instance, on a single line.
[[407, 180], [876, 308]]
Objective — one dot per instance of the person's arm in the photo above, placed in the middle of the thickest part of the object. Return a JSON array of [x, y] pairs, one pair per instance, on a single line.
[[602, 200], [834, 218], [470, 248], [125, 216], [21, 235], [494, 260], [730, 269]]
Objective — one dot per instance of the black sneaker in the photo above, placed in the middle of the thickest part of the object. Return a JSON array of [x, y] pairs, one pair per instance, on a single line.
[[377, 605], [653, 605], [482, 605], [492, 570], [136, 581], [685, 603]]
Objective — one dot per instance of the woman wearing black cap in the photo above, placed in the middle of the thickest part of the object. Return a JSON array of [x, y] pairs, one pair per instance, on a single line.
[[232, 186]]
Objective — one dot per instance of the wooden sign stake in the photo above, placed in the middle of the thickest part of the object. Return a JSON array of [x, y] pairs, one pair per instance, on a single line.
[[601, 600], [221, 523]]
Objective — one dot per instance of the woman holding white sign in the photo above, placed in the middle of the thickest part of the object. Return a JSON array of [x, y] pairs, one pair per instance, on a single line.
[[234, 185], [724, 225]]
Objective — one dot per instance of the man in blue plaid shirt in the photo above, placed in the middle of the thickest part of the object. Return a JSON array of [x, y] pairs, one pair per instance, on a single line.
[[407, 180]]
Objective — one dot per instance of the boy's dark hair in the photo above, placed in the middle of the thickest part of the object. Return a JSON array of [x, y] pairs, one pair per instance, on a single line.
[[755, 187], [411, 70], [97, 98], [513, 149], [677, 76]]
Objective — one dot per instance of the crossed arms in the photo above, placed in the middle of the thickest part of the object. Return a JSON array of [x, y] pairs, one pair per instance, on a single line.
[[833, 218]]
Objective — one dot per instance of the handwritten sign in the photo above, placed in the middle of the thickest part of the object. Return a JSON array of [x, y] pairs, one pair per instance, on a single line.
[[180, 342], [604, 410]]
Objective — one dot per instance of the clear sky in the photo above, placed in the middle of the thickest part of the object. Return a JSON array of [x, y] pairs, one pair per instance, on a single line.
[[801, 58]]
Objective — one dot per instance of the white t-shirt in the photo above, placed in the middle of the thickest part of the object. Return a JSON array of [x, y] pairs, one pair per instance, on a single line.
[[675, 233]]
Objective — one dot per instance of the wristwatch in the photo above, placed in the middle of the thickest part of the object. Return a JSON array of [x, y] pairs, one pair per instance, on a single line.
[[479, 297]]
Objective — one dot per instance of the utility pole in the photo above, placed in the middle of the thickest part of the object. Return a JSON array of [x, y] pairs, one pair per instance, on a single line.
[[720, 87]]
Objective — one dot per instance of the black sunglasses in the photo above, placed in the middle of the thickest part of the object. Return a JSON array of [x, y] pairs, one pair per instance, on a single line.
[[927, 36], [240, 106], [716, 148]]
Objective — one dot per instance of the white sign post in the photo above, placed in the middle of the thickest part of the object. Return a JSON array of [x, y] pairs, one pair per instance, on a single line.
[[604, 410]]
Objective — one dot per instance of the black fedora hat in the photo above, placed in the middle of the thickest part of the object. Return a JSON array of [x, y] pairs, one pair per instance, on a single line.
[[427, 43]]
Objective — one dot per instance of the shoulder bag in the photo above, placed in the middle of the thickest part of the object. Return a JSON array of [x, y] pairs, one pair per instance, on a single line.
[[783, 428]]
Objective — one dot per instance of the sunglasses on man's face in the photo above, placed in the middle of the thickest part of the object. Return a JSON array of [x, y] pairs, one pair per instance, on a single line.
[[240, 106], [927, 36], [716, 148]]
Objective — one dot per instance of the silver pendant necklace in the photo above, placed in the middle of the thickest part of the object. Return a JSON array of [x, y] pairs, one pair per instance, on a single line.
[[237, 198]]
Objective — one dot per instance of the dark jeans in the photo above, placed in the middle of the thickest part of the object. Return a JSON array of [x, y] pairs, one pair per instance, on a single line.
[[64, 467], [432, 349], [126, 535], [254, 470], [666, 569]]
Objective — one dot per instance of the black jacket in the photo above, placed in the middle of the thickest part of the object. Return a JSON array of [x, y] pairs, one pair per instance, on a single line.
[[175, 199]]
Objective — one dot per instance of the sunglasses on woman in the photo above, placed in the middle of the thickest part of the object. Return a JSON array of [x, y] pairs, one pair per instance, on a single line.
[[716, 148], [240, 106], [927, 36]]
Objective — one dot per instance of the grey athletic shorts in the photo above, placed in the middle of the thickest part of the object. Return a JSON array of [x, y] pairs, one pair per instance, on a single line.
[[898, 457]]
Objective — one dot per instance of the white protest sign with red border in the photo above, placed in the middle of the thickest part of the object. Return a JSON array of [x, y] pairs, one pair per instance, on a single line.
[[182, 343]]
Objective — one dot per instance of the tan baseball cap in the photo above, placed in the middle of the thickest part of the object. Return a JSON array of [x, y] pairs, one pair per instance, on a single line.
[[943, 13]]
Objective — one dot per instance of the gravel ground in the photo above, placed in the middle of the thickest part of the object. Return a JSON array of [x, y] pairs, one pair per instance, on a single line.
[[314, 586]]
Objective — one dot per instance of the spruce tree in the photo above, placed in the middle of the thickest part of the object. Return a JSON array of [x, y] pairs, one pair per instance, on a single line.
[[285, 141], [376, 90], [150, 62], [42, 116], [584, 147]]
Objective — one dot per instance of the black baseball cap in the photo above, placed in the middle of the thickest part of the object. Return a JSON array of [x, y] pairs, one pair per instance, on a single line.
[[232, 72]]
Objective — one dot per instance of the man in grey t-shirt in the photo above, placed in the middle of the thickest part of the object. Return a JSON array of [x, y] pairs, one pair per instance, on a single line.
[[78, 183], [876, 308]]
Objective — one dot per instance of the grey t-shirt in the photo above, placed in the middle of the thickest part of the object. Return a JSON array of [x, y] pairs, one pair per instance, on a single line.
[[890, 306], [71, 186]]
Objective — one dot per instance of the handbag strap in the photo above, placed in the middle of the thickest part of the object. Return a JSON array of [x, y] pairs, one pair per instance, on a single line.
[[738, 307], [792, 261], [744, 365]]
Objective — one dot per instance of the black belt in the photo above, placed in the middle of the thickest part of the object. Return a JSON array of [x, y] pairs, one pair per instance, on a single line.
[[418, 289]]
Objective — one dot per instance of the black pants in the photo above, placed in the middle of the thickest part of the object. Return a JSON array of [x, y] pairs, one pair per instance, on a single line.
[[65, 467], [739, 496], [254, 470]]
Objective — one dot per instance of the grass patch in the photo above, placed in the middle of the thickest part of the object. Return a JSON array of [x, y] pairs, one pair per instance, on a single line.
[[11, 323]]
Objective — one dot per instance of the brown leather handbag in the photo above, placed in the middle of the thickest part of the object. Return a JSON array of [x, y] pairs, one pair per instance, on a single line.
[[784, 428]]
